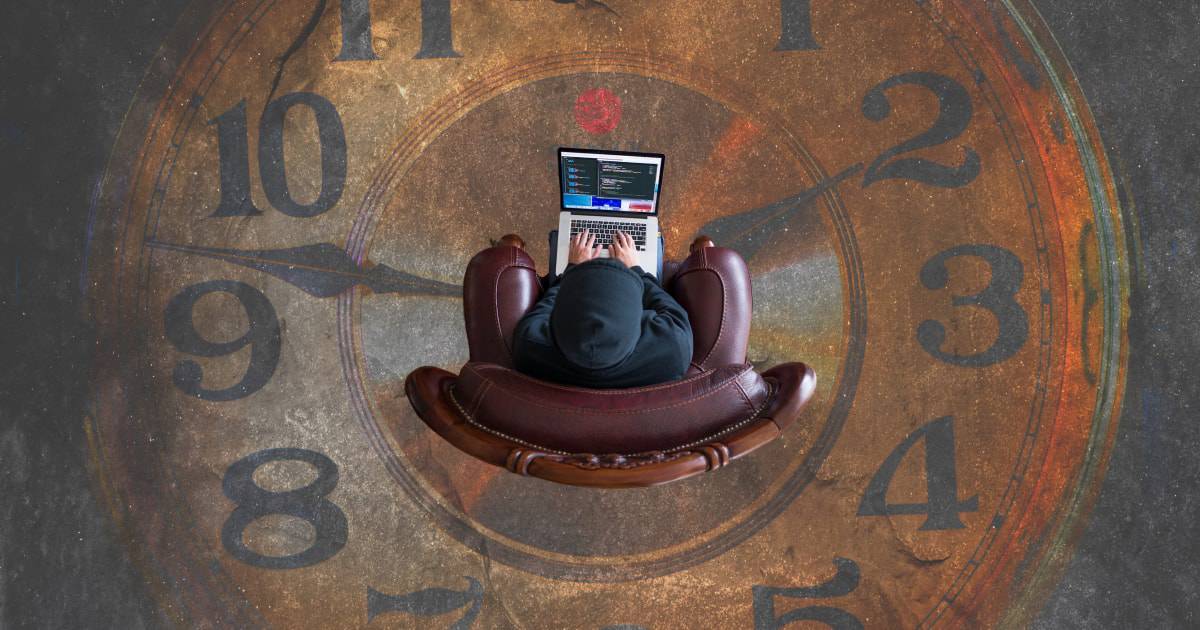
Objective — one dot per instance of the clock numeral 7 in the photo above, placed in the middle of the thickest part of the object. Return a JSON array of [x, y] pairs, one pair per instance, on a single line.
[[437, 29], [234, 151], [430, 602], [843, 583]]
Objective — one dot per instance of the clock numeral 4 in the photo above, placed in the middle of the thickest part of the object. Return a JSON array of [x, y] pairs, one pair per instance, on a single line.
[[999, 297], [263, 337], [942, 504], [308, 503], [430, 602], [234, 152], [842, 583]]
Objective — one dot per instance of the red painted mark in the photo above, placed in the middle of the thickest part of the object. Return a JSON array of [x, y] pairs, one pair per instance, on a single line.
[[597, 111]]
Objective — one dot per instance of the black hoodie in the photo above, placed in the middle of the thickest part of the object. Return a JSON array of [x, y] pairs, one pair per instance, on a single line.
[[602, 325]]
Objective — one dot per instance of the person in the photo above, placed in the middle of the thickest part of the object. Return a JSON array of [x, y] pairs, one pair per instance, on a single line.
[[604, 323]]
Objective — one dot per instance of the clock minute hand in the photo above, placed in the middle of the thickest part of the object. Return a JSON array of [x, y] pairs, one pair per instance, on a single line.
[[320, 270], [747, 232]]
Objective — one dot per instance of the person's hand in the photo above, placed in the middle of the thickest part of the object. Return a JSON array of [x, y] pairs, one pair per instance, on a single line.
[[623, 249], [582, 247]]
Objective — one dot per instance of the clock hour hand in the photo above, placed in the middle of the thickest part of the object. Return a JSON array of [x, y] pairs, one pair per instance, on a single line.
[[320, 270], [747, 232]]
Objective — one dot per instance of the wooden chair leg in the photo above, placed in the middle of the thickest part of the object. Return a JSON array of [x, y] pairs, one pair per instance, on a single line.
[[701, 241], [511, 240]]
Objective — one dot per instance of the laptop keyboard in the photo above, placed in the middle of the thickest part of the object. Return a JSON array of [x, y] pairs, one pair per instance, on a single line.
[[606, 230]]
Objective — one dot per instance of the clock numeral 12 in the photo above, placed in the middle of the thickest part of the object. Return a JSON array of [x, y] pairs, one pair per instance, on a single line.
[[842, 583], [234, 151], [942, 504], [308, 503]]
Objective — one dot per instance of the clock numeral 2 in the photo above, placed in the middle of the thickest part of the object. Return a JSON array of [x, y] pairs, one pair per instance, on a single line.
[[999, 297], [941, 480], [430, 602], [437, 31], [234, 152], [263, 337], [308, 503], [842, 583]]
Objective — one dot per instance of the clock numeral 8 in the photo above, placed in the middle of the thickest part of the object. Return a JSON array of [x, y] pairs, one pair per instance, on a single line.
[[308, 503], [842, 583], [234, 152], [263, 337]]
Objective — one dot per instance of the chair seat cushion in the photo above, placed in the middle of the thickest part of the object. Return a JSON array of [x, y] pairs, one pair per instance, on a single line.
[[627, 421]]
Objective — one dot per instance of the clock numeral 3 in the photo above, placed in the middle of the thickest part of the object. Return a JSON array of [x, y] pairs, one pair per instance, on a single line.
[[842, 583], [941, 480], [999, 297], [233, 149], [954, 113], [263, 337], [308, 503], [430, 602]]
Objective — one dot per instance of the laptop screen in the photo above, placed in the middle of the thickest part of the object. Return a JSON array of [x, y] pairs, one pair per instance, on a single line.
[[615, 181]]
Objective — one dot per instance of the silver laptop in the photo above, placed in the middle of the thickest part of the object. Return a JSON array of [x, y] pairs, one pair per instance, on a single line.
[[606, 191]]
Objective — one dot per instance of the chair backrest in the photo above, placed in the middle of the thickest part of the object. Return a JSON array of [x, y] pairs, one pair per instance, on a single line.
[[561, 418]]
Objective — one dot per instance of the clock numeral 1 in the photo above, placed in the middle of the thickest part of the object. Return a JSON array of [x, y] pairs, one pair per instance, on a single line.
[[430, 602], [263, 337], [308, 503], [437, 31], [843, 583], [796, 32], [233, 150], [941, 480]]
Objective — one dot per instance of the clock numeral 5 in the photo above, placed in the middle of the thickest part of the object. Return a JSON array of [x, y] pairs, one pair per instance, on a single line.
[[234, 152], [308, 503], [842, 583], [263, 337], [941, 480], [430, 602], [999, 297]]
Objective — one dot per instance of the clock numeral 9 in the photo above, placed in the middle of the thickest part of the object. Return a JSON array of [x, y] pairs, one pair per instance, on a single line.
[[941, 480], [999, 297], [308, 503], [430, 602], [234, 152], [263, 337], [842, 583], [954, 114]]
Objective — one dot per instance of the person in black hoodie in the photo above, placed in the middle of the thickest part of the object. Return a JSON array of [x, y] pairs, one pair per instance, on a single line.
[[604, 323]]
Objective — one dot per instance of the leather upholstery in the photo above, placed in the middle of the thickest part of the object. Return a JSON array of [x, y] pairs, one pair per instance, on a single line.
[[500, 286], [630, 420], [713, 284]]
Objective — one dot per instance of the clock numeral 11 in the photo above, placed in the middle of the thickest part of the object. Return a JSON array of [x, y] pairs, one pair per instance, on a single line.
[[234, 151], [437, 29]]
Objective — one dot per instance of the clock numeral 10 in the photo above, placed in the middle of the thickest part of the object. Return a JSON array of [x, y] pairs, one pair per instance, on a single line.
[[234, 151], [942, 504], [843, 583], [308, 503], [437, 29]]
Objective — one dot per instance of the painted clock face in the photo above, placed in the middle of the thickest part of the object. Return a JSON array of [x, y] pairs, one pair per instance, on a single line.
[[916, 186]]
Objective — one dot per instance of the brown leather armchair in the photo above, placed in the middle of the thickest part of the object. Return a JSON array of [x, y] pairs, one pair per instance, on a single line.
[[721, 409]]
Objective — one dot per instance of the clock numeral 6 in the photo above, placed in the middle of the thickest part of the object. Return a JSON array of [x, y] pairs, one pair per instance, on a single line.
[[842, 583], [308, 503], [263, 337], [234, 153], [942, 504], [430, 602], [999, 297]]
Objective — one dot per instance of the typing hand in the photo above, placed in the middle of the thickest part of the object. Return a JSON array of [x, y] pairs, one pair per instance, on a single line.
[[583, 247], [624, 249]]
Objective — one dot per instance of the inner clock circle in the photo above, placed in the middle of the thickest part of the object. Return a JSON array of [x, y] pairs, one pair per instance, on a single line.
[[492, 171]]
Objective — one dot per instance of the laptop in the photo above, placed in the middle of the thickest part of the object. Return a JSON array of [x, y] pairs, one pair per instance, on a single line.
[[606, 191]]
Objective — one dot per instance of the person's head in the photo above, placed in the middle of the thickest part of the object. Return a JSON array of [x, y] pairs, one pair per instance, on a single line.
[[596, 320]]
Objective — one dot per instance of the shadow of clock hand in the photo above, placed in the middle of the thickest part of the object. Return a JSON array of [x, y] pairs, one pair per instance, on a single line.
[[321, 270], [747, 232]]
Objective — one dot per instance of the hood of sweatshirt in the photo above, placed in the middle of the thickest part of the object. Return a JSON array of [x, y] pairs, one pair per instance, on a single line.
[[596, 320]]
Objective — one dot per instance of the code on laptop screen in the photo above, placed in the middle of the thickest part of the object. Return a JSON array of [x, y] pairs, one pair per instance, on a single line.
[[595, 181]]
